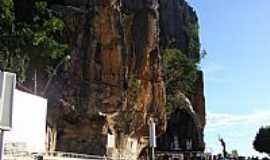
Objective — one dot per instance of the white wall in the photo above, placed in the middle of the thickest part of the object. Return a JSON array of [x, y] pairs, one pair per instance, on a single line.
[[29, 122]]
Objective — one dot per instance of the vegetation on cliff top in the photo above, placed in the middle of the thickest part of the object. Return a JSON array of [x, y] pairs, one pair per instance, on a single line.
[[26, 46], [180, 75], [181, 65], [180, 72]]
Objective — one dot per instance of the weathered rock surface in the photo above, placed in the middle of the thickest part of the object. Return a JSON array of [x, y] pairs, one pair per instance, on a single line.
[[179, 27], [198, 99], [115, 84]]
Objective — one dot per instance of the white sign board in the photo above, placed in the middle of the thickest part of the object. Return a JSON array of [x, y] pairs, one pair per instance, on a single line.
[[7, 86], [110, 141], [29, 123]]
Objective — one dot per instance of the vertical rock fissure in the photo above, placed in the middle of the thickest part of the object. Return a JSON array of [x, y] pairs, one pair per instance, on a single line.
[[85, 55], [124, 50]]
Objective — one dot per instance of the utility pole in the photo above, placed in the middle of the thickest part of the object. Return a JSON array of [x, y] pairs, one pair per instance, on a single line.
[[152, 139]]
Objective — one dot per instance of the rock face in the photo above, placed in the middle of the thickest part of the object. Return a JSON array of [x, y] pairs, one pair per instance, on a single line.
[[198, 101], [115, 84], [179, 29], [185, 126]]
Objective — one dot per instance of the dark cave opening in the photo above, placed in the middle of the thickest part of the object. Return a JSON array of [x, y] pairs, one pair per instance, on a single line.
[[182, 133]]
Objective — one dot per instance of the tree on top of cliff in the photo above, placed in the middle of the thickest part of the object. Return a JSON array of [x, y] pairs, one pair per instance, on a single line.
[[262, 140], [30, 44]]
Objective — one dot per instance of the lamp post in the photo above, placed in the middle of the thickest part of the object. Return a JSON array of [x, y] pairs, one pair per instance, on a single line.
[[54, 73], [152, 139]]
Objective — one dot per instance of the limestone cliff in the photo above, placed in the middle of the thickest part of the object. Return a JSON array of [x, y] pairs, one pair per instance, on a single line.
[[115, 83], [180, 29]]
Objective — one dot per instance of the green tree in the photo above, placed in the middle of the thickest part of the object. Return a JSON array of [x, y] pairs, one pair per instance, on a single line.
[[29, 46], [180, 74], [262, 140]]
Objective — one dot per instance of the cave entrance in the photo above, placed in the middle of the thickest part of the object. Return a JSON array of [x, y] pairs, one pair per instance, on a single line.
[[182, 133]]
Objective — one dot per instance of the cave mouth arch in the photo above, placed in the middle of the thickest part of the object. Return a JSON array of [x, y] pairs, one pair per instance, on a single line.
[[183, 132]]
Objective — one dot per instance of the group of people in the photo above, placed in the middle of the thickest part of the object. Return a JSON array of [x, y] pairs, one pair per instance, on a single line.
[[220, 157], [192, 156]]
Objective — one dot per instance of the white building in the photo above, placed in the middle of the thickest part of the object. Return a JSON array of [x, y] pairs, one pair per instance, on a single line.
[[28, 131]]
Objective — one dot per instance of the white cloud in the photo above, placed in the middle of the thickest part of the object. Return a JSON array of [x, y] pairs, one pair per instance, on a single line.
[[218, 120], [238, 130]]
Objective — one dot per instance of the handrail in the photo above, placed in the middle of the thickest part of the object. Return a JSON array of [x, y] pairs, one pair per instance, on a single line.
[[56, 156]]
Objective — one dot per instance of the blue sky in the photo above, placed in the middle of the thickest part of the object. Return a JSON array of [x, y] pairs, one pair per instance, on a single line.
[[236, 35]]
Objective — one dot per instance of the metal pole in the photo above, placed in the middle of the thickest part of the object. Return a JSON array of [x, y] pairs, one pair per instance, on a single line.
[[152, 139], [53, 74]]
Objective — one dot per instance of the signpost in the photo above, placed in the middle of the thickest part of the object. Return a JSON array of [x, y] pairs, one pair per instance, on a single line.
[[7, 86], [152, 139]]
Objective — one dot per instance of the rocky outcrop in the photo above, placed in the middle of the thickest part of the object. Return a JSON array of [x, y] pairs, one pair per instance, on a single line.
[[198, 99], [115, 84], [179, 27]]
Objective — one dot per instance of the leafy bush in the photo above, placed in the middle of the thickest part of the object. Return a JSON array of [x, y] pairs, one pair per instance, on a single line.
[[180, 74], [35, 44], [262, 140]]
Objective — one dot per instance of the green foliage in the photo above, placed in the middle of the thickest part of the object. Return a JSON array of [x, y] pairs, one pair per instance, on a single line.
[[6, 16], [135, 83], [36, 44], [41, 7], [262, 140], [14, 62], [181, 66], [135, 86], [180, 74]]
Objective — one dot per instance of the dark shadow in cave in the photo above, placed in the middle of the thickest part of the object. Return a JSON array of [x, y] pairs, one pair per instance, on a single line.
[[182, 134]]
